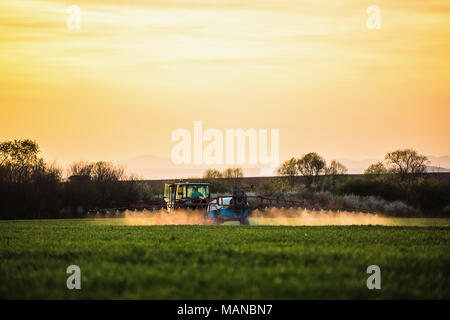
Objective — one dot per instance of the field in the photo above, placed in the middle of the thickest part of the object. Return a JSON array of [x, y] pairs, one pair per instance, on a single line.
[[122, 261]]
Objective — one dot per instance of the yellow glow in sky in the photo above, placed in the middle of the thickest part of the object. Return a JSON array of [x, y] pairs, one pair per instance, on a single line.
[[137, 70]]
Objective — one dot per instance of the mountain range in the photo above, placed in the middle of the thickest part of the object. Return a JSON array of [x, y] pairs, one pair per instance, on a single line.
[[154, 167]]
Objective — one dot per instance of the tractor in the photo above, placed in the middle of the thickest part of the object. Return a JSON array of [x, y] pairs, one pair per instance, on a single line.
[[196, 196], [219, 208]]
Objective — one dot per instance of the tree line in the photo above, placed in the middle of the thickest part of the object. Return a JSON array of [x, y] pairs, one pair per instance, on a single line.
[[400, 176], [32, 188], [310, 166]]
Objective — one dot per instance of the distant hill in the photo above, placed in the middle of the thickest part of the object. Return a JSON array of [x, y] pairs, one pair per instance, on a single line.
[[436, 164], [357, 166], [440, 162], [436, 169], [154, 167]]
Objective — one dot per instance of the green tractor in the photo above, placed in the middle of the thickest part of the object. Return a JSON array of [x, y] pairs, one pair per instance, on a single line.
[[186, 195]]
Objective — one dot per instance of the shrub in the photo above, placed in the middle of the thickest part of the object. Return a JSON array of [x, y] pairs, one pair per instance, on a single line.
[[399, 208], [430, 195], [370, 187], [446, 210]]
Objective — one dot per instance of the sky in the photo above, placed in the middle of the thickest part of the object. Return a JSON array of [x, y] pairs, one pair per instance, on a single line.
[[136, 71]]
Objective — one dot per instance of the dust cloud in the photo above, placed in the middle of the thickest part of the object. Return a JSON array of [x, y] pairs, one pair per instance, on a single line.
[[268, 217], [159, 217], [304, 217]]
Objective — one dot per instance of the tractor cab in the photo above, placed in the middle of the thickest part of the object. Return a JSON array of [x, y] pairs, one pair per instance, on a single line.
[[186, 195]]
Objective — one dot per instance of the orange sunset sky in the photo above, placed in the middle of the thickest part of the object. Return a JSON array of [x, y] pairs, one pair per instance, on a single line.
[[137, 70]]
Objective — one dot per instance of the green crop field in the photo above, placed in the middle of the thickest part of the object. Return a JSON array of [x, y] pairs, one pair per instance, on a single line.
[[120, 261]]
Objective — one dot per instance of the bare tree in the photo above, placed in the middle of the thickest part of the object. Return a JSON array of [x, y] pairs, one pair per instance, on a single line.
[[407, 164], [103, 171], [212, 174], [100, 171], [335, 168], [233, 175], [376, 169], [214, 177], [80, 168], [310, 166], [289, 169]]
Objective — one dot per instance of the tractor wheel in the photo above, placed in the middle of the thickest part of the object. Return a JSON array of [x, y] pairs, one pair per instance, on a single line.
[[244, 222]]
